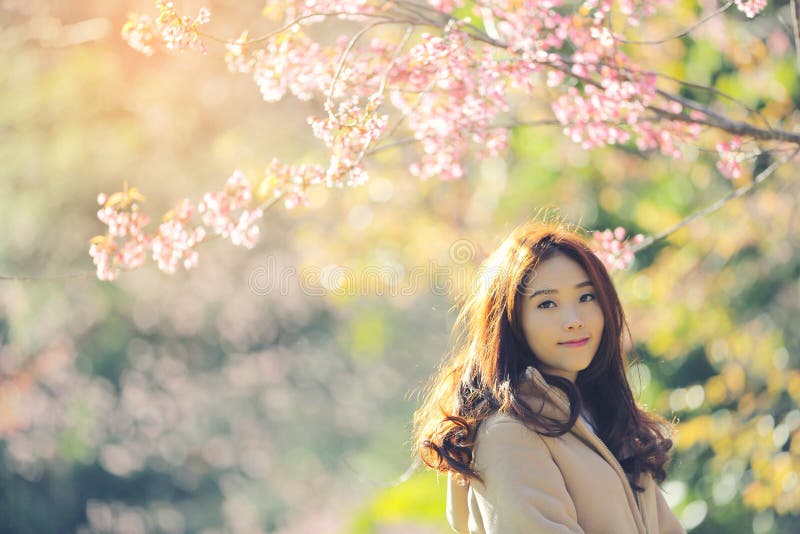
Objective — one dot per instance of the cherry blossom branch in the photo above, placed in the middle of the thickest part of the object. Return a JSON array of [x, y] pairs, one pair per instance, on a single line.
[[463, 87], [709, 89], [723, 123], [717, 92], [714, 119], [638, 246]]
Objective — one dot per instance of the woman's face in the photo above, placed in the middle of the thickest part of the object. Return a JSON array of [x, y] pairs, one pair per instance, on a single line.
[[561, 318]]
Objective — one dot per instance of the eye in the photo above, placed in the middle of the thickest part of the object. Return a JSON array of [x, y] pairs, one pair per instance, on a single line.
[[591, 297], [546, 304]]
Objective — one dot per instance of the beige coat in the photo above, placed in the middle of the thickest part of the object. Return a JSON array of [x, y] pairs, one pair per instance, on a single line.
[[538, 484]]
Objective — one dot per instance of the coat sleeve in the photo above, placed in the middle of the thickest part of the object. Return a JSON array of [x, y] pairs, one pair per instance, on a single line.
[[523, 490], [667, 522], [457, 510]]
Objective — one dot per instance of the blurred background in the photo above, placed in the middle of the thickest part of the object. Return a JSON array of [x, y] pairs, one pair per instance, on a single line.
[[272, 390]]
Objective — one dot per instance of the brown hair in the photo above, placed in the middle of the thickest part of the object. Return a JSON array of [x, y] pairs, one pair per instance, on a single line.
[[490, 355]]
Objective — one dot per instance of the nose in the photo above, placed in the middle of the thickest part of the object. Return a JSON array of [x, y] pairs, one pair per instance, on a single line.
[[572, 322]]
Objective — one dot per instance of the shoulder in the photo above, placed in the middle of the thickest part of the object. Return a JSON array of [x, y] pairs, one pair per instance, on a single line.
[[500, 424], [504, 436]]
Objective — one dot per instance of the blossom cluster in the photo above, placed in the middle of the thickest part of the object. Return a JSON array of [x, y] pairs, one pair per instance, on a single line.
[[451, 98], [613, 249], [751, 8], [730, 158], [227, 213], [292, 181], [126, 243], [449, 89], [175, 32], [348, 131], [175, 242], [126, 223]]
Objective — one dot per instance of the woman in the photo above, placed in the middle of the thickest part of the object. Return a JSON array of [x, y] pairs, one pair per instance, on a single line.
[[532, 417]]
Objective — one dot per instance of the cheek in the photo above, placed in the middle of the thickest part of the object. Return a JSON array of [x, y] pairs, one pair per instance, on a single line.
[[530, 329], [598, 319]]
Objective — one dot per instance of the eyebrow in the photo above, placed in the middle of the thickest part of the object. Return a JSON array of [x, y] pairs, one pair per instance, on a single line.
[[551, 291]]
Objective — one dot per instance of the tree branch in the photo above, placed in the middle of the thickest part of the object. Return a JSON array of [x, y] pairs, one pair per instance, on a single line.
[[723, 123], [717, 92], [736, 193]]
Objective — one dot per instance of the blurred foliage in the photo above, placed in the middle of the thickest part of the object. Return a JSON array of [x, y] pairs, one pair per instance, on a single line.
[[245, 396], [416, 502]]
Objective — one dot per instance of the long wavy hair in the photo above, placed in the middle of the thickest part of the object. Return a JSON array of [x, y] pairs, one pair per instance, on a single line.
[[490, 354]]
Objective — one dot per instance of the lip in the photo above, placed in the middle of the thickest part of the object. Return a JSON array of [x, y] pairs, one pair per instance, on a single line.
[[576, 343]]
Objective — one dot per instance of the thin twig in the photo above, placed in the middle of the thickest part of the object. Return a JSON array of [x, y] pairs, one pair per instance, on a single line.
[[395, 56], [343, 58], [796, 32], [67, 276], [394, 144], [684, 33], [736, 193], [289, 25]]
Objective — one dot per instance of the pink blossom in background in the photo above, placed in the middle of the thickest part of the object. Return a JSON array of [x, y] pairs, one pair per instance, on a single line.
[[292, 181], [120, 213], [229, 213], [348, 131], [613, 249], [140, 33], [445, 6], [175, 32], [751, 8], [453, 96], [175, 242], [730, 156], [289, 62], [219, 209]]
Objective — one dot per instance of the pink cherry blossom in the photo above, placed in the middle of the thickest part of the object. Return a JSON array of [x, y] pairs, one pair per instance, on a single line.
[[140, 33], [730, 158], [348, 131], [446, 6], [175, 241], [125, 243], [173, 31], [219, 211], [461, 96], [613, 249], [751, 8], [447, 92], [292, 181], [289, 62]]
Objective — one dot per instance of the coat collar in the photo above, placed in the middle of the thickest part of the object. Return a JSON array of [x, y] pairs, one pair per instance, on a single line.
[[552, 402]]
